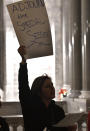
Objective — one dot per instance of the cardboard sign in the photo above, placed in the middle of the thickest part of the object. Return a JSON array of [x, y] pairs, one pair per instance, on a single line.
[[31, 24]]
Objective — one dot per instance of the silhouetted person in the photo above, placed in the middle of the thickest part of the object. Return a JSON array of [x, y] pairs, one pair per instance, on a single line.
[[38, 108]]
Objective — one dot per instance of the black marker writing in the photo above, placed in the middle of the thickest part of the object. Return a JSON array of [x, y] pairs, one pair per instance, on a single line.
[[22, 6], [38, 35], [29, 24], [20, 16], [36, 43]]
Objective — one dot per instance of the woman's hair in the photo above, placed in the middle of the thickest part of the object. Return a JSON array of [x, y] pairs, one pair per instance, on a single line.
[[38, 83]]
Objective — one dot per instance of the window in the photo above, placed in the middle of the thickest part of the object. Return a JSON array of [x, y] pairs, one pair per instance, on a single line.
[[36, 66]]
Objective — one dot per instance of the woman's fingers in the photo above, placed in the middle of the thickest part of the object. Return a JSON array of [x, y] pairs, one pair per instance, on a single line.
[[22, 50]]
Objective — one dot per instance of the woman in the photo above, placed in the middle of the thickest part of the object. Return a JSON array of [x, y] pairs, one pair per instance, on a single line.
[[38, 108]]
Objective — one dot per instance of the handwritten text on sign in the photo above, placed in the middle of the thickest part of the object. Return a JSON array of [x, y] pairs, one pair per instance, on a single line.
[[31, 24]]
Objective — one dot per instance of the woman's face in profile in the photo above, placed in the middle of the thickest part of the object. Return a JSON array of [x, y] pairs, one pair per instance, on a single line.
[[48, 90]]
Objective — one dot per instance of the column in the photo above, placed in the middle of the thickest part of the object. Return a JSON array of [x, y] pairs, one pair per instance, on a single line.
[[66, 44], [72, 71], [2, 47], [58, 47], [85, 93], [54, 6], [76, 48]]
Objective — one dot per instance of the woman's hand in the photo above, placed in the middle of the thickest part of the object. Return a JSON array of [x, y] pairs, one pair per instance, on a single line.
[[22, 52]]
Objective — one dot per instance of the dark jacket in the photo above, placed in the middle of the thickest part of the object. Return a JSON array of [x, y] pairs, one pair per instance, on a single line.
[[36, 115], [3, 124]]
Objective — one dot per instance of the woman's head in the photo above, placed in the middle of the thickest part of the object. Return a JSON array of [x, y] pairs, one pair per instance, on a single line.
[[43, 87]]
